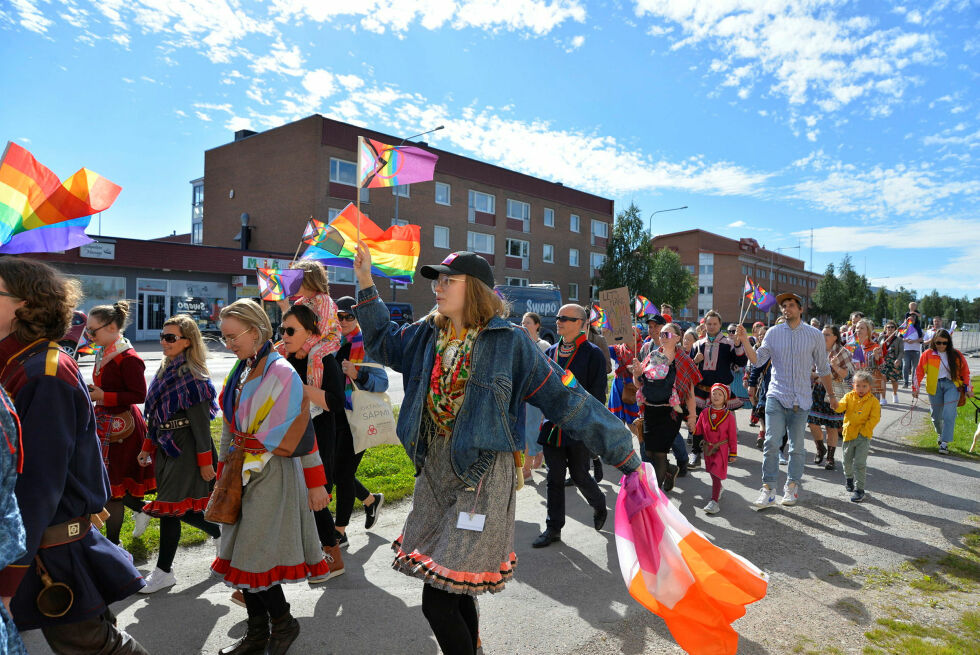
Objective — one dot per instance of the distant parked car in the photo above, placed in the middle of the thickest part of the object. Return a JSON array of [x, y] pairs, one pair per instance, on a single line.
[[69, 342], [542, 299], [401, 312]]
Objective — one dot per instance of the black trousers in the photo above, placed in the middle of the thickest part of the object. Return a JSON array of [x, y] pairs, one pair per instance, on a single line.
[[453, 618], [345, 464], [574, 457], [170, 535], [96, 636]]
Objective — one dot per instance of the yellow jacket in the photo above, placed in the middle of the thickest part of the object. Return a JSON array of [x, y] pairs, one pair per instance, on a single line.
[[861, 415]]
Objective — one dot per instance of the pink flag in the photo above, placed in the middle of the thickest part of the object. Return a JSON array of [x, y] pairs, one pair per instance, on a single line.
[[381, 165]]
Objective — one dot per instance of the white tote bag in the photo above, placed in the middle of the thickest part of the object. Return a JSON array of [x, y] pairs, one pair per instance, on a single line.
[[372, 420]]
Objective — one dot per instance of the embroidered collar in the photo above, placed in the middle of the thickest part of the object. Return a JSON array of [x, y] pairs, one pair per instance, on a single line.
[[568, 351]]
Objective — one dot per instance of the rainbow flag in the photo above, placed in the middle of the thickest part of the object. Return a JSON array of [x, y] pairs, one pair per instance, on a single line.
[[568, 379], [670, 568], [38, 212], [643, 307], [907, 329], [759, 296], [381, 165], [394, 252], [278, 285], [598, 318]]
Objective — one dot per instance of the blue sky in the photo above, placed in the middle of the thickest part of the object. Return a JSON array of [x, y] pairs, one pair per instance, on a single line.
[[858, 119]]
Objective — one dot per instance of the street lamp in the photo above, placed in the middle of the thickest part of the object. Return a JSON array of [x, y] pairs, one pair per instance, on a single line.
[[660, 211]]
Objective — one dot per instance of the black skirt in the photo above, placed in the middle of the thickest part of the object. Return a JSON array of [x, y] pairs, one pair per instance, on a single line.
[[661, 424]]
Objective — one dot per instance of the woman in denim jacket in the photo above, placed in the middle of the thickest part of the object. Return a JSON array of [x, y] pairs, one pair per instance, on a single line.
[[467, 372]]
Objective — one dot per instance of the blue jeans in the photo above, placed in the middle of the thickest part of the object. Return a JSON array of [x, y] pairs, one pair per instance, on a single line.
[[680, 450], [910, 359], [792, 423], [944, 408]]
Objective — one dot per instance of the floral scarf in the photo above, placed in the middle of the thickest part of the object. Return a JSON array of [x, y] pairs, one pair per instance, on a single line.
[[173, 390], [105, 355], [450, 372], [356, 356]]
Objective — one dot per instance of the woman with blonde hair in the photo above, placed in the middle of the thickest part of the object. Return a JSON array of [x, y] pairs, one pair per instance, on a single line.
[[467, 371], [180, 404], [868, 356], [118, 387], [267, 425]]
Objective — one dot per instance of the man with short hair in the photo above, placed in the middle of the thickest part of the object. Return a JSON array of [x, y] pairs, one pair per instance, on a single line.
[[815, 322], [575, 354], [937, 325], [795, 349]]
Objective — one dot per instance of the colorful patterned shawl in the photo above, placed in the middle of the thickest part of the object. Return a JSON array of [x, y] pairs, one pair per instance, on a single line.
[[356, 356], [173, 391]]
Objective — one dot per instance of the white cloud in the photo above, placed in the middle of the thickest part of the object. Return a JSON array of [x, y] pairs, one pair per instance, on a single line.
[[737, 224], [202, 116], [537, 17], [24, 139], [948, 137], [812, 55], [280, 59], [30, 16], [576, 43]]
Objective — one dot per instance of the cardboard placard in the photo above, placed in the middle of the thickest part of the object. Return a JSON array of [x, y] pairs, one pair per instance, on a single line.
[[616, 303]]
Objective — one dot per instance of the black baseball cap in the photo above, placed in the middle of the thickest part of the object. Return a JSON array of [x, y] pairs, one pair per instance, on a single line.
[[656, 318], [463, 262], [346, 304]]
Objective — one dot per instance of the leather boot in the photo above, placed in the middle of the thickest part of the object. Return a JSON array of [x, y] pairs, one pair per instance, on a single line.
[[255, 640], [821, 452], [830, 465], [285, 629]]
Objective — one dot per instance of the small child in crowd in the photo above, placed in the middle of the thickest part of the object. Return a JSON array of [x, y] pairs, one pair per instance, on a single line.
[[862, 411], [717, 425]]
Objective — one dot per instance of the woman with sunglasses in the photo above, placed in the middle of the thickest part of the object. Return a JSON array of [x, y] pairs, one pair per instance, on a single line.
[[118, 386], [180, 404], [314, 292], [822, 418], [894, 348], [267, 420], [346, 461], [947, 374], [467, 370], [666, 380]]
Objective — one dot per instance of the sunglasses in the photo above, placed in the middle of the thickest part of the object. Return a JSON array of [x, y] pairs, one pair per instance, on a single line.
[[345, 317], [289, 331], [90, 333], [170, 338], [667, 334], [564, 319], [941, 343]]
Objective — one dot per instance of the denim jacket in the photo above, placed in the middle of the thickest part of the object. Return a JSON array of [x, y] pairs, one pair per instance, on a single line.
[[507, 369]]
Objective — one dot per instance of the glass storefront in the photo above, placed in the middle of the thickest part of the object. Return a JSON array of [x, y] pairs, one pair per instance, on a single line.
[[100, 290], [161, 299]]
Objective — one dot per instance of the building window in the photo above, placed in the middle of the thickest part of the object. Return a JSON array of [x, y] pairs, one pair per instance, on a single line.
[[690, 268], [600, 230], [443, 194], [520, 211], [518, 248], [517, 281], [338, 275], [440, 237], [572, 291], [574, 223], [479, 242], [548, 254], [706, 291], [706, 269], [332, 213], [197, 233], [197, 213], [549, 217], [401, 191], [598, 260], [483, 202], [399, 221], [573, 256], [762, 274], [343, 172]]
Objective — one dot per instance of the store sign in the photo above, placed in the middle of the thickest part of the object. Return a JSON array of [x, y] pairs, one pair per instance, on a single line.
[[192, 305], [251, 263], [96, 250]]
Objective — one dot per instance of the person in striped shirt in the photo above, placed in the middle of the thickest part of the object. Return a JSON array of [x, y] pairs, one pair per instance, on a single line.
[[795, 349]]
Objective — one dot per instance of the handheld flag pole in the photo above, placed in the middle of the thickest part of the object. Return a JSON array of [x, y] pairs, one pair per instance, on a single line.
[[742, 311], [300, 244]]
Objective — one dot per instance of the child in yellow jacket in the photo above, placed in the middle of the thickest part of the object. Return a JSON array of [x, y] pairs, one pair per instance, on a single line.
[[862, 411]]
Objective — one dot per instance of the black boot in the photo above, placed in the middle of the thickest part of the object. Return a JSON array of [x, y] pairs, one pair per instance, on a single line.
[[597, 469], [821, 452], [830, 465], [285, 629], [255, 640]]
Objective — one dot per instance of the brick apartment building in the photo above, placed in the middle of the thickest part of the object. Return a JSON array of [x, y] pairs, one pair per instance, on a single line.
[[721, 265], [530, 230]]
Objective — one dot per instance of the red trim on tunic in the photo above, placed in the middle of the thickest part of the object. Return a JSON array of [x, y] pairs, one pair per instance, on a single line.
[[315, 477], [148, 446], [204, 459], [248, 580], [163, 508], [10, 578], [421, 566], [133, 488]]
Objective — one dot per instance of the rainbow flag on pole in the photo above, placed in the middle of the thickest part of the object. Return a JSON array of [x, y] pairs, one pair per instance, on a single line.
[[278, 285], [759, 296], [38, 212], [381, 165], [670, 568], [598, 318], [394, 252], [643, 307]]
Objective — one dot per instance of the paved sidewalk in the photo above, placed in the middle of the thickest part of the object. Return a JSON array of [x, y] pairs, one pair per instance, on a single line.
[[570, 597]]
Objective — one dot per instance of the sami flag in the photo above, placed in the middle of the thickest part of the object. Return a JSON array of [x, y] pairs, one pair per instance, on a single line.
[[381, 165], [670, 568], [394, 252], [38, 212], [643, 307], [278, 285], [759, 296]]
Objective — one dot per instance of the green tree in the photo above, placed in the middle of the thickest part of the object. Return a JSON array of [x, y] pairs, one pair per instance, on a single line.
[[629, 256], [882, 308], [931, 305], [828, 298], [856, 291], [900, 302], [671, 283]]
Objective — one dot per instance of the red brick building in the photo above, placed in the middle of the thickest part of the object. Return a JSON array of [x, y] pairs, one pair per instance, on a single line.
[[721, 265], [530, 230]]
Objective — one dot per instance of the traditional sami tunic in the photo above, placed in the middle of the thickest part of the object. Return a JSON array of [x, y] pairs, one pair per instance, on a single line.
[[13, 539], [63, 479], [589, 367], [123, 381]]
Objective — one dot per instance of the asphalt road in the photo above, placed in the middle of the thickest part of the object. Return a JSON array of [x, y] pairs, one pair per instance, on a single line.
[[570, 597]]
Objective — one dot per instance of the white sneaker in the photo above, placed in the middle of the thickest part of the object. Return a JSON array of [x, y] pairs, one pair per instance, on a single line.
[[712, 507], [158, 580], [883, 401], [140, 521], [791, 493], [767, 498], [895, 398]]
